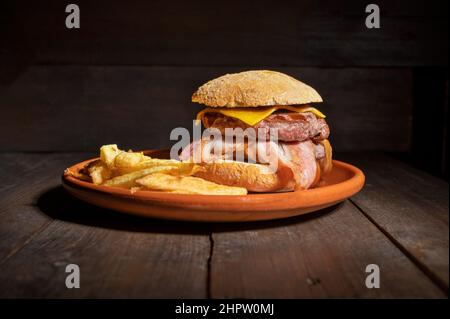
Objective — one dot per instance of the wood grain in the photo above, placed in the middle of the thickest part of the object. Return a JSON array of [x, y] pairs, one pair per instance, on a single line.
[[411, 207], [24, 177], [66, 108], [302, 33], [317, 256], [133, 259]]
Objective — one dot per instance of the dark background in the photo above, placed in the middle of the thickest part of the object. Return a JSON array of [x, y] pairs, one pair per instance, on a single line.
[[127, 75]]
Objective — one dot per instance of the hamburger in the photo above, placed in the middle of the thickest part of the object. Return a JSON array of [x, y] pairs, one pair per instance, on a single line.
[[275, 111]]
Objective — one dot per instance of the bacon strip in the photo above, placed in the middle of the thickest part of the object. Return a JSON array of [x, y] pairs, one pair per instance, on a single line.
[[300, 157]]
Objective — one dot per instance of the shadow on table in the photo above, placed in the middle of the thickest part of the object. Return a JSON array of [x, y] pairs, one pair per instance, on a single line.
[[59, 205]]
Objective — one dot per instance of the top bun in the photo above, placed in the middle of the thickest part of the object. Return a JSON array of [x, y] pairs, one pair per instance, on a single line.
[[255, 88]]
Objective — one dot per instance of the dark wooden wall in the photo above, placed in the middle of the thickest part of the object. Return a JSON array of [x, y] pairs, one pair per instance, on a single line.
[[127, 75], [237, 33]]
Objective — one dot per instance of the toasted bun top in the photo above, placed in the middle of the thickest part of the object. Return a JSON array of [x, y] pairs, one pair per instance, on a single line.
[[255, 88]]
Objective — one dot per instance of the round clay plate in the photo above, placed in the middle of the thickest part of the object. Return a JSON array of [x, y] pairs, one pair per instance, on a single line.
[[344, 181]]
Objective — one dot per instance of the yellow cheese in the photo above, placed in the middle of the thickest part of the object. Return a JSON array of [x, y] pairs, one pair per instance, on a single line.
[[252, 116], [327, 161]]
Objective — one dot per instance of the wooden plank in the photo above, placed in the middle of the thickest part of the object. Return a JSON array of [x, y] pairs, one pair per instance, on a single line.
[[68, 108], [318, 255], [43, 229], [131, 258], [302, 33], [410, 206], [24, 177]]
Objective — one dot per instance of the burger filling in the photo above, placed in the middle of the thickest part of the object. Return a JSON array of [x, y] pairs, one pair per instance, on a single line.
[[302, 141], [291, 127]]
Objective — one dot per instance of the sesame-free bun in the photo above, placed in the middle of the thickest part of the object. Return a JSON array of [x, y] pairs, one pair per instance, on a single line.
[[255, 88], [253, 177]]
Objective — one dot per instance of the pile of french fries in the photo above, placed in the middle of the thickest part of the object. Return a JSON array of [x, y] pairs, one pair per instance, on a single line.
[[136, 171]]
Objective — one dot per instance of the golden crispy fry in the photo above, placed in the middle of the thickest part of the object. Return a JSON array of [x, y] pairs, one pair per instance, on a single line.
[[99, 172], [147, 163], [128, 180], [129, 159], [187, 185], [176, 168], [108, 153]]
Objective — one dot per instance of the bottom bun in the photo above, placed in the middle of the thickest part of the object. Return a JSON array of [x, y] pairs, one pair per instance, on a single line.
[[253, 177]]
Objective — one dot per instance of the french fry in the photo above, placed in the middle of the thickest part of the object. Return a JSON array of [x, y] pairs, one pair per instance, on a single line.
[[126, 160], [147, 163], [99, 172], [187, 185], [108, 153], [128, 180]]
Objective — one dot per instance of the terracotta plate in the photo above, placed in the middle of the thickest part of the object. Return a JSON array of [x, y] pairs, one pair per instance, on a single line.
[[344, 181]]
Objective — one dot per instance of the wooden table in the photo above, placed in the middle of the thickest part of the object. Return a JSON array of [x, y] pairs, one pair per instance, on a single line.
[[399, 222]]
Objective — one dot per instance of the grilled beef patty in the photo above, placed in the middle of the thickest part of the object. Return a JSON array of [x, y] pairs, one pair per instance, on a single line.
[[291, 127]]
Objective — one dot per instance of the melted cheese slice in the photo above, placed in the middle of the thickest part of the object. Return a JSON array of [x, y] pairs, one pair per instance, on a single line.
[[327, 161], [252, 116]]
